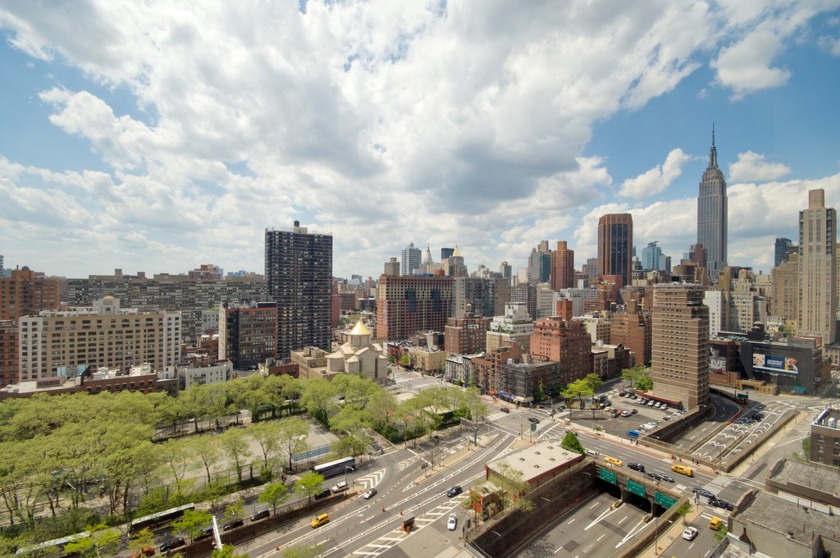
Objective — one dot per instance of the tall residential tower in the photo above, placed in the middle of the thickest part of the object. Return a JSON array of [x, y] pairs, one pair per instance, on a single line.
[[817, 268], [298, 274], [712, 215]]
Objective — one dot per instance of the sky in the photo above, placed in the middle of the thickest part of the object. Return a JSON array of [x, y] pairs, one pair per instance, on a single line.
[[158, 136]]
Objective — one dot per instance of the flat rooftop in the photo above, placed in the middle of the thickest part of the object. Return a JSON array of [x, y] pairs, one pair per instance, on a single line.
[[816, 477], [777, 514], [536, 460]]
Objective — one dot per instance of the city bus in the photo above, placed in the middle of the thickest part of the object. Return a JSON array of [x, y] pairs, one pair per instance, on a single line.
[[160, 518], [336, 467]]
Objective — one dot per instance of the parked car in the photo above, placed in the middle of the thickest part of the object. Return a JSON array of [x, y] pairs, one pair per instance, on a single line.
[[323, 494], [622, 393], [702, 493], [664, 407], [637, 467], [718, 503], [689, 533], [320, 520], [651, 403], [230, 525], [172, 544], [652, 475], [534, 420], [260, 515], [626, 413], [504, 410], [454, 491], [592, 453], [666, 477], [633, 411], [145, 551], [369, 493], [452, 523], [340, 487]]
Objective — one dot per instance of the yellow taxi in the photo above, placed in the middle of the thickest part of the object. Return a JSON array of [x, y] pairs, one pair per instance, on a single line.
[[320, 520], [613, 461], [715, 523]]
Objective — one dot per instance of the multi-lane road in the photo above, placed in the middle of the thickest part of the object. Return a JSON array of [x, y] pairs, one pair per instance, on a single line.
[[409, 488]]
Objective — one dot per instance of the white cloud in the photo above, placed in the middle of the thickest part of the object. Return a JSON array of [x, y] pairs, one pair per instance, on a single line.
[[657, 179], [382, 122], [755, 167], [746, 66]]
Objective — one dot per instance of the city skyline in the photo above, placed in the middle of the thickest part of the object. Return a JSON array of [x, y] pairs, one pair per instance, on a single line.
[[161, 136]]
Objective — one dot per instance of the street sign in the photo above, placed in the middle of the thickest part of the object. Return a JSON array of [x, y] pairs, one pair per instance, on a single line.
[[607, 475], [636, 488], [664, 500]]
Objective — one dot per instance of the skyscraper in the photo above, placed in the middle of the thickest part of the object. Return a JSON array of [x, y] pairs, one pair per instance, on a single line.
[[712, 215], [298, 273], [817, 268], [562, 267], [652, 257], [410, 260], [615, 246], [680, 344]]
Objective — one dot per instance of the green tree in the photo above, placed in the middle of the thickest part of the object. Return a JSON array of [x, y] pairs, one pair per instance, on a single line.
[[234, 443], [405, 361], [208, 451], [267, 436], [140, 540], [273, 495], [234, 511], [514, 489], [382, 408], [176, 457], [227, 551], [309, 484], [351, 425], [470, 401], [638, 377], [683, 510], [298, 551], [318, 398], [103, 541], [192, 522], [578, 389], [572, 443], [293, 437]]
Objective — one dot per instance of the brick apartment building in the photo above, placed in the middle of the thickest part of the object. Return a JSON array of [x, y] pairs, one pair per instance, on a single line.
[[466, 336], [407, 304], [632, 328], [566, 342]]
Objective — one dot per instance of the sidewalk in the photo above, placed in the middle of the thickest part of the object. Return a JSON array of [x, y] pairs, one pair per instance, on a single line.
[[673, 533]]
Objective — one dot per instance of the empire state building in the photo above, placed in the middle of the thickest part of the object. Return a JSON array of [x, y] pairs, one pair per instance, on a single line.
[[712, 215]]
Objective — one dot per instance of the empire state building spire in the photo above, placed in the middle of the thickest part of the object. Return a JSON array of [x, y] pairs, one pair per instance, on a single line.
[[713, 164]]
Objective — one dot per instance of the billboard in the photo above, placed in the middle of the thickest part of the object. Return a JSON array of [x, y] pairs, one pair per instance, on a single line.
[[777, 364], [717, 363]]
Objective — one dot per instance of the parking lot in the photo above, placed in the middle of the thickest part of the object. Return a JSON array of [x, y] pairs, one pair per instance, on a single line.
[[623, 414]]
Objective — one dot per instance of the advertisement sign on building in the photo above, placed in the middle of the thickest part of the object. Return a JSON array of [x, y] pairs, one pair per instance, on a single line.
[[771, 363], [717, 363]]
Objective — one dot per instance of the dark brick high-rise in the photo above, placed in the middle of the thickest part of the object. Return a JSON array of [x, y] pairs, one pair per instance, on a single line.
[[298, 274]]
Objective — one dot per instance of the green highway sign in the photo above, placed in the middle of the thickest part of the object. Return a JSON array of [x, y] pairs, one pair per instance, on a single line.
[[607, 475], [636, 488], [664, 500]]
